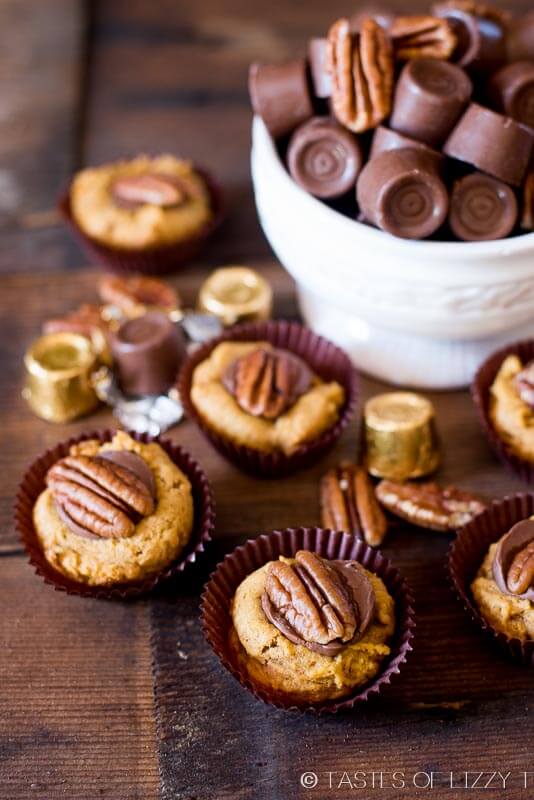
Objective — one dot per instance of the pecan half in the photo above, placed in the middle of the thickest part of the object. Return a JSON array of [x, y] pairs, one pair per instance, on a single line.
[[85, 320], [521, 573], [98, 498], [265, 383], [361, 65], [527, 217], [422, 37], [348, 503], [429, 505], [133, 294], [153, 189], [312, 603]]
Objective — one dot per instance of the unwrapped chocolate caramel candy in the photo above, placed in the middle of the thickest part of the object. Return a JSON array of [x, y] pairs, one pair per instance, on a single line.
[[320, 75], [493, 143], [480, 32], [429, 98], [511, 91], [401, 192], [385, 139], [148, 351], [324, 158], [280, 95], [482, 208], [520, 38], [527, 212]]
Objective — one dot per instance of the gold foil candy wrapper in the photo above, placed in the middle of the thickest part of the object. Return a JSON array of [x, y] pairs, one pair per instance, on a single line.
[[400, 436], [59, 368], [236, 294]]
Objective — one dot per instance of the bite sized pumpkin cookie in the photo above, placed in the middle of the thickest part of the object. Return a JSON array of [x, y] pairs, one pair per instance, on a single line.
[[263, 397], [141, 204], [114, 512], [310, 628]]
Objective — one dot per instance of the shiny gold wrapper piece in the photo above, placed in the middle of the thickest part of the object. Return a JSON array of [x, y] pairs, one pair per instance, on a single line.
[[236, 294], [59, 369], [400, 436]]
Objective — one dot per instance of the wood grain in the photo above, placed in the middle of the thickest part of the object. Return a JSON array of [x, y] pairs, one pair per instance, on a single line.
[[77, 717], [78, 686], [41, 68]]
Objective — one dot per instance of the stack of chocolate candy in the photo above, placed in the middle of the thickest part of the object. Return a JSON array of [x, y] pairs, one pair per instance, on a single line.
[[428, 121]]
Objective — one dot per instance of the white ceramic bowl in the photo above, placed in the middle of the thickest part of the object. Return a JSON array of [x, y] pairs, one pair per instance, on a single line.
[[419, 313]]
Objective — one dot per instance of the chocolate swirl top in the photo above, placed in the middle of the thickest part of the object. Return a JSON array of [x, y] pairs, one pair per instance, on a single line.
[[482, 208], [324, 158], [320, 604], [513, 564]]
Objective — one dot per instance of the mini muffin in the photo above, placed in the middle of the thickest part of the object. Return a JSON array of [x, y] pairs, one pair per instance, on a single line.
[[113, 512], [311, 629], [142, 204], [263, 397], [511, 407], [504, 586]]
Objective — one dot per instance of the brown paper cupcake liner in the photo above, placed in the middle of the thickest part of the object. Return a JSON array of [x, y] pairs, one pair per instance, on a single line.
[[33, 483], [150, 261], [219, 591], [327, 360], [480, 390], [467, 553]]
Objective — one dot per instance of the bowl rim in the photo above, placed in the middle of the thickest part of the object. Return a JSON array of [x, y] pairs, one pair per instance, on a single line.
[[471, 250]]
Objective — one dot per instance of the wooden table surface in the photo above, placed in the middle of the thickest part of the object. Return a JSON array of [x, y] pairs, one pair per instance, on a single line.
[[127, 701]]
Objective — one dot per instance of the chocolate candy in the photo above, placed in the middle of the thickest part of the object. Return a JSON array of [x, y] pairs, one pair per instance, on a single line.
[[482, 208], [493, 143], [318, 58], [520, 38], [280, 95], [429, 98], [401, 192], [148, 351], [385, 139], [511, 91], [324, 158], [481, 42]]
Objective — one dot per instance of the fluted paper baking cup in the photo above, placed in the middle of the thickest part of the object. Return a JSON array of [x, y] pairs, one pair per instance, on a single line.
[[154, 260], [33, 483], [327, 360], [480, 390], [219, 591], [469, 550]]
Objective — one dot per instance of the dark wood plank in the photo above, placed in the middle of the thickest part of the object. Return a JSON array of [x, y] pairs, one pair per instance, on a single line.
[[78, 711], [77, 714], [41, 67]]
